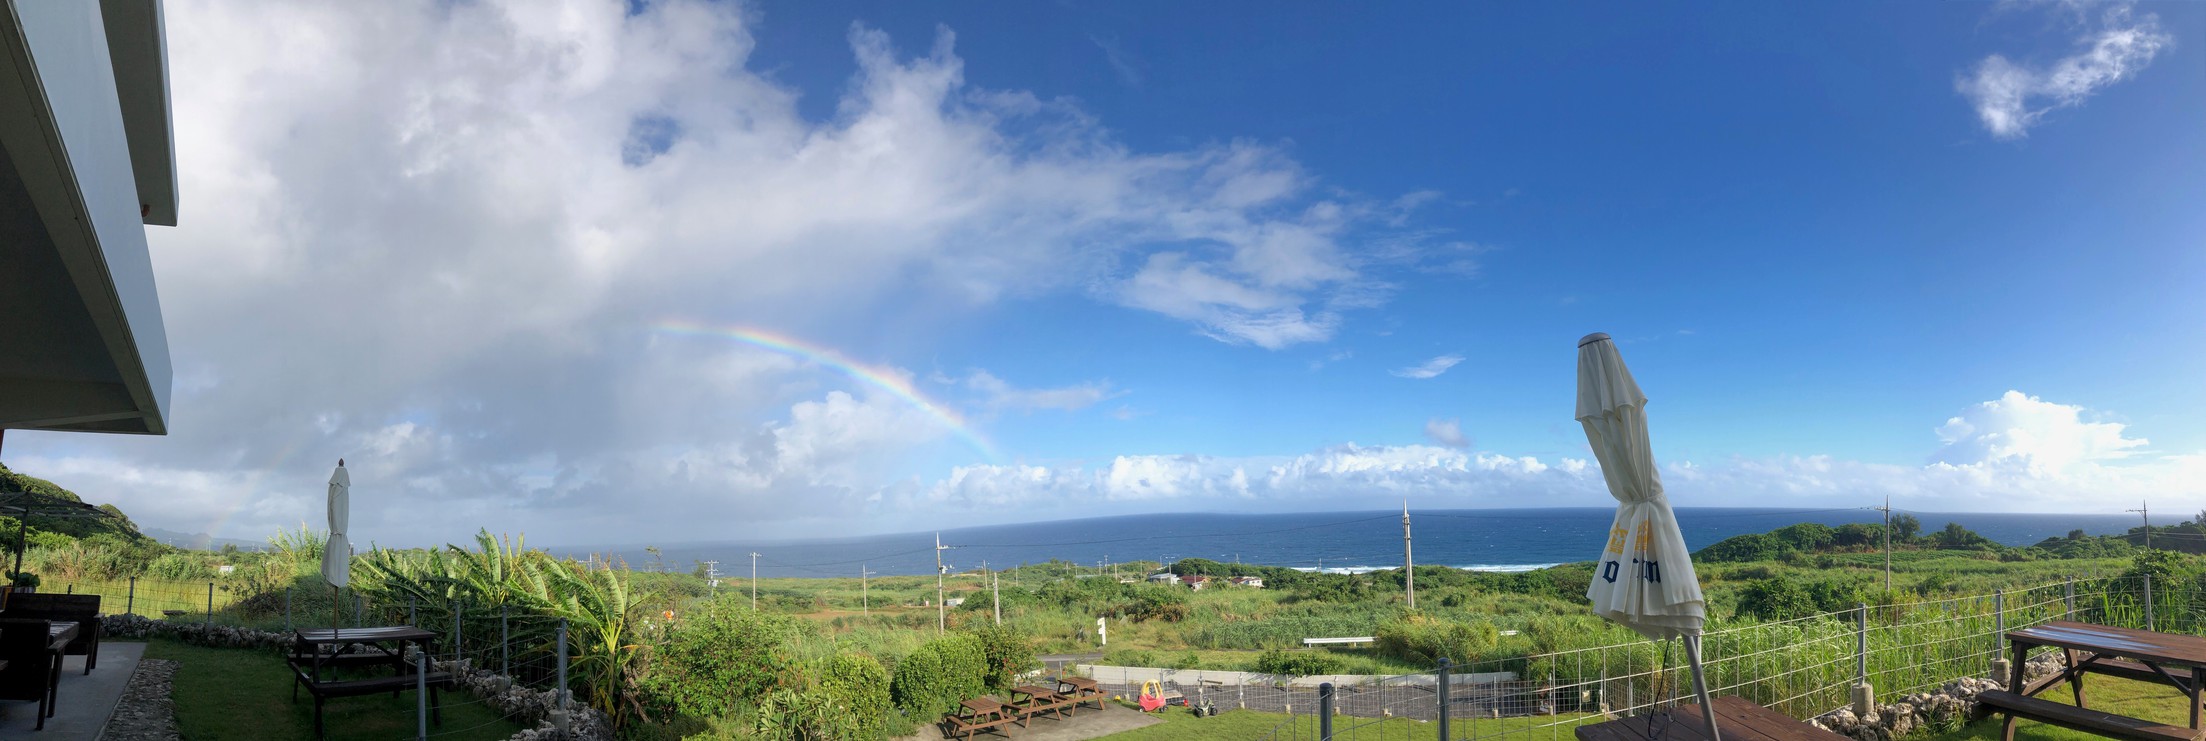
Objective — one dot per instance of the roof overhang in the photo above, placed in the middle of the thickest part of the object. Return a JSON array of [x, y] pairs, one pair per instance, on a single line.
[[86, 161]]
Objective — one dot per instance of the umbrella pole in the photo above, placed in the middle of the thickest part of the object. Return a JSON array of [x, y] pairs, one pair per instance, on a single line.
[[1700, 686]]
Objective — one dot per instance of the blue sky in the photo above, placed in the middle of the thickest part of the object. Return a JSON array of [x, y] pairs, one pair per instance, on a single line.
[[1165, 257]]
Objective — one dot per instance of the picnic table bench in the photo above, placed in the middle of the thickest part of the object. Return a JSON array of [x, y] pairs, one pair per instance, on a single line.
[[980, 714], [1736, 720], [2175, 660]]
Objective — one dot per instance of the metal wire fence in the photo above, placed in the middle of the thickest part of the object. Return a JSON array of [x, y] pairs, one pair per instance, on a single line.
[[1803, 667], [510, 663]]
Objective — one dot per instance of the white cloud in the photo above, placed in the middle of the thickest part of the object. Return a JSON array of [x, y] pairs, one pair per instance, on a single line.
[[2014, 453], [999, 394], [1430, 368], [432, 238], [2012, 97], [1448, 432]]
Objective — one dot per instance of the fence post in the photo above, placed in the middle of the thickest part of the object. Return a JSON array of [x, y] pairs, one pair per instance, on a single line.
[[1325, 711], [287, 609], [1865, 696], [456, 605], [1444, 699], [505, 640], [130, 604], [2068, 597], [2001, 666], [210, 604], [358, 605], [2148, 602], [413, 611], [563, 721], [421, 693]]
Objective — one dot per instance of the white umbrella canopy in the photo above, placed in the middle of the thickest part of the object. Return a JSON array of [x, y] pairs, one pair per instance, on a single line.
[[337, 554], [1645, 578]]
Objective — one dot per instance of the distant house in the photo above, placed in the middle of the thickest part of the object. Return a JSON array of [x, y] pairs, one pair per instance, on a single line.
[[1165, 577], [1252, 582], [953, 601], [1196, 581]]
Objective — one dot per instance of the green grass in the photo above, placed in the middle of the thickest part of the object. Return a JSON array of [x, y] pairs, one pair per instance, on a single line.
[[2154, 702], [1181, 724], [226, 693]]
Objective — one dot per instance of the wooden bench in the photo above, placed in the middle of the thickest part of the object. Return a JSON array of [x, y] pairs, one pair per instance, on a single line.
[[2082, 719], [328, 688], [1039, 700], [1081, 690]]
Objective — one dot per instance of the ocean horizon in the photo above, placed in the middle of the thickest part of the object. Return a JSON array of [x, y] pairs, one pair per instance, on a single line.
[[1337, 542]]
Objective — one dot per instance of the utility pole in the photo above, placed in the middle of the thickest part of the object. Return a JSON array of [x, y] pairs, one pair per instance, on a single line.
[[1409, 569], [754, 580], [712, 576], [995, 591], [865, 598], [1887, 510], [2142, 510], [941, 613]]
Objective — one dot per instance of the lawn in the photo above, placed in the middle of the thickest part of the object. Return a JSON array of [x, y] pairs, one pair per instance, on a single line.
[[226, 693], [2155, 702]]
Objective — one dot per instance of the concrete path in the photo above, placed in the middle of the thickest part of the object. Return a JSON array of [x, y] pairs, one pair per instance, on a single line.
[[83, 701], [1087, 724]]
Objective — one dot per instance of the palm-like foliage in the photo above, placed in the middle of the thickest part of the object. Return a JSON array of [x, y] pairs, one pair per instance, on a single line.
[[505, 577]]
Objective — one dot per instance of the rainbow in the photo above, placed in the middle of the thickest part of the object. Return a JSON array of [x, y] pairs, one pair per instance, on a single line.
[[856, 371]]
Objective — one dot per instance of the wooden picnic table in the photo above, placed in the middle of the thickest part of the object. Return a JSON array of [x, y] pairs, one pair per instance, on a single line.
[[315, 652], [1039, 700], [981, 714], [2178, 661], [1081, 690], [1736, 720]]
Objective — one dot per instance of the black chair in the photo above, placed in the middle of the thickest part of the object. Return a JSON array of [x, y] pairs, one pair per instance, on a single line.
[[33, 668]]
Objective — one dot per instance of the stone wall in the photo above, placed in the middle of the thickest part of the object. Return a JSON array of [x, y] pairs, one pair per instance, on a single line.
[[1945, 707]]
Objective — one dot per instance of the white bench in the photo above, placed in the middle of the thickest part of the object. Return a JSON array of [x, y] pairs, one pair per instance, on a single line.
[[1338, 641]]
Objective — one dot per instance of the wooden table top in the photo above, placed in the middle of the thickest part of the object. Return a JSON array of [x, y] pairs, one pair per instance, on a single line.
[[366, 635], [1736, 720], [2126, 642], [983, 705], [60, 634], [1080, 682], [1034, 691]]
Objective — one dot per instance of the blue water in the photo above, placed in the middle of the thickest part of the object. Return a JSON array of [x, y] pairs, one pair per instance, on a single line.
[[1490, 539]]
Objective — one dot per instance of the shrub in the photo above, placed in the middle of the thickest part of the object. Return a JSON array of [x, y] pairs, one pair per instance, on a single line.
[[720, 657], [1299, 663], [1007, 652], [1775, 599], [1424, 640], [858, 687], [935, 677], [1129, 657], [1158, 602], [1740, 548]]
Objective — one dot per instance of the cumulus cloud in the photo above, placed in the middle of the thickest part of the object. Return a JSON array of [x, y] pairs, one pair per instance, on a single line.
[[433, 238], [2011, 97], [2013, 453], [1430, 368], [1448, 432]]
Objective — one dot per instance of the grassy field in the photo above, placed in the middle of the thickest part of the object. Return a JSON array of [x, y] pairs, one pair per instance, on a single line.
[[224, 693]]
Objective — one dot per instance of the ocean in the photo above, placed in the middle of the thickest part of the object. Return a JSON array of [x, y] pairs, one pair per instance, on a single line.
[[1481, 539]]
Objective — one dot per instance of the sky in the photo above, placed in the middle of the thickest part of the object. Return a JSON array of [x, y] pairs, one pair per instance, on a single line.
[[689, 271]]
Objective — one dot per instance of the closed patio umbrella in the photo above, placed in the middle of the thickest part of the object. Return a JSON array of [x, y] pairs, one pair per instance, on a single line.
[[337, 554], [1644, 580]]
